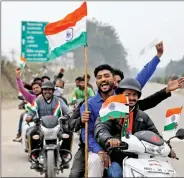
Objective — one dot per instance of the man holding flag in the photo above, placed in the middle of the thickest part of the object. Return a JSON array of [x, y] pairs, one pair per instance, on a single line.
[[105, 83], [111, 130]]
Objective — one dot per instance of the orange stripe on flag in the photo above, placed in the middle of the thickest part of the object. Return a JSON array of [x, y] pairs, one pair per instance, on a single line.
[[116, 98], [56, 107], [69, 21], [23, 59], [173, 111]]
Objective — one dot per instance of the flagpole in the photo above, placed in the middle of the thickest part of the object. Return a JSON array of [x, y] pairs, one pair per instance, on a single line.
[[86, 109]]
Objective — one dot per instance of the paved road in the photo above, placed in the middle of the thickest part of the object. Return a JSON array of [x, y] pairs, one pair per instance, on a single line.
[[14, 160]]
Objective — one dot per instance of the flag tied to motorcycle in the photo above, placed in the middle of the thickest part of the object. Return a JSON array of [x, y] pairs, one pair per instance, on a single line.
[[172, 118], [127, 124], [68, 33], [115, 107]]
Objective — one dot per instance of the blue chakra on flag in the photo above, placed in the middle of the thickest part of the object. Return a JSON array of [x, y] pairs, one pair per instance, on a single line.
[[173, 118], [112, 106], [176, 125], [69, 34]]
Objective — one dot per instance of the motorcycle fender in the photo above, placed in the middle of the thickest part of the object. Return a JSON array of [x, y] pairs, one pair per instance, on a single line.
[[148, 167], [50, 147]]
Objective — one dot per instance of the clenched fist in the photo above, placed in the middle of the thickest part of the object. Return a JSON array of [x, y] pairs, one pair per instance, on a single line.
[[85, 116], [114, 142], [17, 72], [160, 49]]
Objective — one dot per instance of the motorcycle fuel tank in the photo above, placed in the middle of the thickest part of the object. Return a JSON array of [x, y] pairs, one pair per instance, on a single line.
[[49, 121]]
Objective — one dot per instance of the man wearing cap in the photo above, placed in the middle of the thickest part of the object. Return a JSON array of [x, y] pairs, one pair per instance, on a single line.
[[110, 131], [45, 106]]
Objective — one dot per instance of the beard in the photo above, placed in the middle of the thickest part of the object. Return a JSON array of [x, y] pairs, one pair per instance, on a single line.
[[106, 87]]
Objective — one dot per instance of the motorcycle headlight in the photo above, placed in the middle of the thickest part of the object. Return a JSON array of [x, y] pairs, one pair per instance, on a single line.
[[136, 174], [153, 149], [50, 133]]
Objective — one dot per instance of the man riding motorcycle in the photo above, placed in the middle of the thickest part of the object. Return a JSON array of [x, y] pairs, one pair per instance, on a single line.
[[44, 106], [36, 89], [105, 83], [110, 131]]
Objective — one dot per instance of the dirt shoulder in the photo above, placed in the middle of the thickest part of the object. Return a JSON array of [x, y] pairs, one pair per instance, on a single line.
[[8, 104]]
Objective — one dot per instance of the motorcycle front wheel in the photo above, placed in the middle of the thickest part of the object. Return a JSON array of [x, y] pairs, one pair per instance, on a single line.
[[51, 168]]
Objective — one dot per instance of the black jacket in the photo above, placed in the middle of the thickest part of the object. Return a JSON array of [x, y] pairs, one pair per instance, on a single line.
[[75, 123], [112, 128], [147, 103]]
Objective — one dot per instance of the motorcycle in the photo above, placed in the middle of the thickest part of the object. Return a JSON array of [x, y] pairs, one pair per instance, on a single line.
[[146, 154], [51, 159]]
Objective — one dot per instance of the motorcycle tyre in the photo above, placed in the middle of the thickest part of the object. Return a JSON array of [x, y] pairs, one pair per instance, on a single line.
[[51, 172]]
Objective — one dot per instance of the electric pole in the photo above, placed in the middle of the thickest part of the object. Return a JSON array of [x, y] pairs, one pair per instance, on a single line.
[[13, 54]]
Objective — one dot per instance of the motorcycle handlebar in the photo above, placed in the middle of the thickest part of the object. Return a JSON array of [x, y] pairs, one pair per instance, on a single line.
[[122, 146]]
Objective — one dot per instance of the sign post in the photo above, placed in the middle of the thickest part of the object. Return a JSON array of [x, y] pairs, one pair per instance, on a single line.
[[34, 44]]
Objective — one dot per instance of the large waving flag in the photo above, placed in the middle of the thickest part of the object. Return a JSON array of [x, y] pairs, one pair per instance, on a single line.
[[68, 33], [114, 107], [172, 118]]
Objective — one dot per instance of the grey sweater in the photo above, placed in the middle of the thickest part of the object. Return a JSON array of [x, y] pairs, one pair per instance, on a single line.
[[45, 109]]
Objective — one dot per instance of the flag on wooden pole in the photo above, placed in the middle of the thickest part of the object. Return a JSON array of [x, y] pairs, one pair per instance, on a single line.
[[68, 33]]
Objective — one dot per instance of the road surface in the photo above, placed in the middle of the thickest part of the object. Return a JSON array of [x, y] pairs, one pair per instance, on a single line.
[[14, 160]]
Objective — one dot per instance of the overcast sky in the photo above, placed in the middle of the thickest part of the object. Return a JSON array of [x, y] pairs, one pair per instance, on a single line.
[[137, 23]]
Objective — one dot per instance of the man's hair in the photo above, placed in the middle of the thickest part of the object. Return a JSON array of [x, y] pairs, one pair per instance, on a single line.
[[45, 76], [36, 79], [81, 79], [27, 86], [78, 78], [119, 72], [88, 76], [59, 79], [35, 83], [103, 67]]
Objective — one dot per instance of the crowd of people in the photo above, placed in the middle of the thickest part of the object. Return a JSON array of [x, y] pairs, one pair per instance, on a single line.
[[46, 94]]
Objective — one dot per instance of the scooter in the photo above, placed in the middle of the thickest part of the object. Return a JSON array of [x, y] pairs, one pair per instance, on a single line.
[[147, 154]]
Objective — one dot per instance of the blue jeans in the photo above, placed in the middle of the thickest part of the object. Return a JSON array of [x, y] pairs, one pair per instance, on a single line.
[[20, 123], [115, 170]]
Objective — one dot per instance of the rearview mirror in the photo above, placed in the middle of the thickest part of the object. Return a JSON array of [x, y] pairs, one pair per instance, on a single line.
[[180, 134]]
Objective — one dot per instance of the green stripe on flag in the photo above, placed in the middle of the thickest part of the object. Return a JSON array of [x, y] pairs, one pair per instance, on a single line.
[[113, 114], [170, 126], [22, 66], [68, 46]]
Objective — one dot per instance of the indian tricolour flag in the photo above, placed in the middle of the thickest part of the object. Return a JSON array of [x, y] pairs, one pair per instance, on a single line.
[[114, 107], [68, 33], [172, 119], [22, 62], [32, 107], [57, 110]]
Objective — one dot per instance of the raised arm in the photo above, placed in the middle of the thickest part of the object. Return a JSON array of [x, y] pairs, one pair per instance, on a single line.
[[145, 74], [27, 95]]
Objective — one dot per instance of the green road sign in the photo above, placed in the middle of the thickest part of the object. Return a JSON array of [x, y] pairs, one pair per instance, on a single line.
[[34, 44]]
